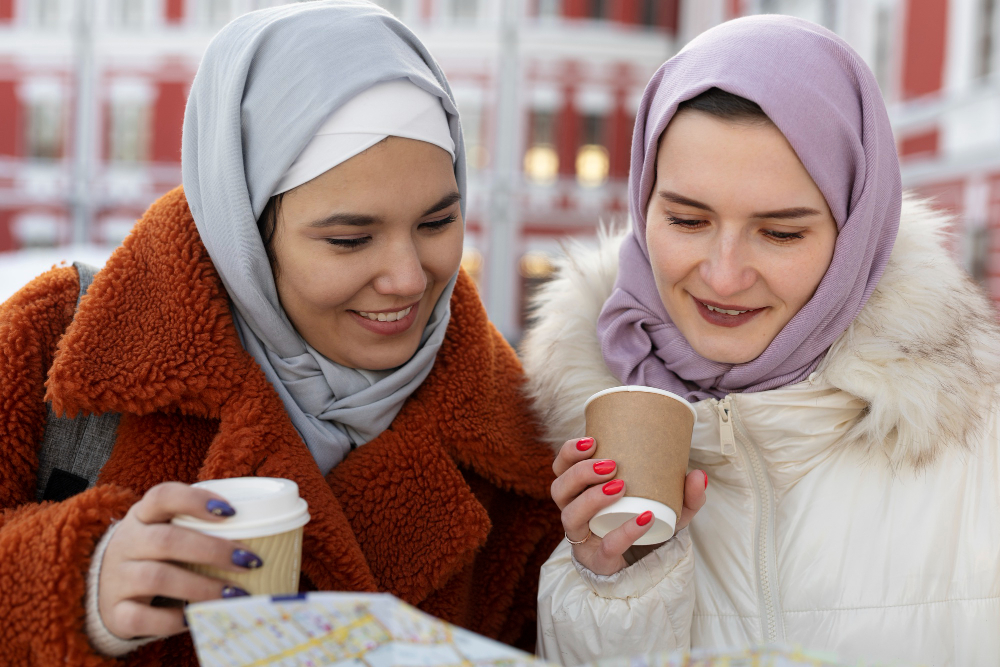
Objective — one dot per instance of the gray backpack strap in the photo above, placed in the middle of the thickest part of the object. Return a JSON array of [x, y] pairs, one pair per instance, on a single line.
[[75, 449]]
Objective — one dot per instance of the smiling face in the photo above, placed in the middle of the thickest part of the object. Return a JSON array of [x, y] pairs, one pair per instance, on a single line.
[[363, 251], [739, 235]]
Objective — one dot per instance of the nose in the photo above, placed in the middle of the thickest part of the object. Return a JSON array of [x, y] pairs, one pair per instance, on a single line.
[[401, 273], [727, 269]]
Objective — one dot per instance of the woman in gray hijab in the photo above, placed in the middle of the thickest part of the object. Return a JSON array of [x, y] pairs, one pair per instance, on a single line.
[[296, 310]]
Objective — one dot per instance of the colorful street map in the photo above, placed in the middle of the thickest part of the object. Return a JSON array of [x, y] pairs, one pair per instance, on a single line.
[[379, 630], [342, 629]]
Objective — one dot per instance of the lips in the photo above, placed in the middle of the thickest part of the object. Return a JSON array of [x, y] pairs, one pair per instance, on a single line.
[[387, 322], [723, 315]]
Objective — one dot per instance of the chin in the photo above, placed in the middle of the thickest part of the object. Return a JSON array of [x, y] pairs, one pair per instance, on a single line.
[[726, 354], [374, 361]]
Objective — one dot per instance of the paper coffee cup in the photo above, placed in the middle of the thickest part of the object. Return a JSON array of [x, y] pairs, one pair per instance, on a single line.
[[647, 433], [269, 519]]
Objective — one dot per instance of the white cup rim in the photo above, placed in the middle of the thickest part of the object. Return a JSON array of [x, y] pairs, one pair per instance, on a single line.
[[648, 390], [627, 508], [275, 525]]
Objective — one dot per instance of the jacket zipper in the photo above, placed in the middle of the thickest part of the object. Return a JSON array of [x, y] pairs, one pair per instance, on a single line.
[[735, 438]]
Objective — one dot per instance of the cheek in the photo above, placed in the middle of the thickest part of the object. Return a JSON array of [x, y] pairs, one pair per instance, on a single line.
[[310, 275], [795, 280], [441, 255], [670, 256]]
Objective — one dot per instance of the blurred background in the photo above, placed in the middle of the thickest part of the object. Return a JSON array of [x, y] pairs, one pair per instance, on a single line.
[[92, 96]]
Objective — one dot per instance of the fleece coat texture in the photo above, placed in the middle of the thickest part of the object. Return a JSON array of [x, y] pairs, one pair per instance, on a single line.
[[448, 508]]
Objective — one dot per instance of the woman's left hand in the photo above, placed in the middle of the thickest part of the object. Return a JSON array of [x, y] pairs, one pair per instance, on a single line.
[[582, 488]]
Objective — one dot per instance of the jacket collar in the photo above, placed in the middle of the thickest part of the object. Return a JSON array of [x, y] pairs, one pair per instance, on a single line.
[[154, 335], [923, 356]]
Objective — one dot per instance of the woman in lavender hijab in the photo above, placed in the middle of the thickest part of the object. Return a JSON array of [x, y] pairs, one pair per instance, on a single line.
[[843, 370]]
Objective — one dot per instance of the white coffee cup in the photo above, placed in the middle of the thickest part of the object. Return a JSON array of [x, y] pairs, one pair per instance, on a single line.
[[268, 521]]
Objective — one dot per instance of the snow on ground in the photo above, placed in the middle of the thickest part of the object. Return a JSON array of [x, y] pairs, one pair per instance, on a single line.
[[18, 268]]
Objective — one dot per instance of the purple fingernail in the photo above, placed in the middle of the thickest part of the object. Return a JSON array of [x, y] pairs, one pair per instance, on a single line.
[[233, 592], [246, 559], [219, 508]]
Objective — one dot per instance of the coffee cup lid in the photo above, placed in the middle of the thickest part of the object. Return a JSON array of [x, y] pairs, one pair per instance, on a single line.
[[264, 506], [648, 390]]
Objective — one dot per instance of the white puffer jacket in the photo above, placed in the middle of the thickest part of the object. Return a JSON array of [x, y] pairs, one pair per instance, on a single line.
[[856, 512]]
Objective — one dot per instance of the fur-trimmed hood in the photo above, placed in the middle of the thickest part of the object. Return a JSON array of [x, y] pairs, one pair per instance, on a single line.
[[923, 355]]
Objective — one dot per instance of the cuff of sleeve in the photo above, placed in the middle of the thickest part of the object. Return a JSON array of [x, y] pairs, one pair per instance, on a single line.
[[638, 579], [100, 637]]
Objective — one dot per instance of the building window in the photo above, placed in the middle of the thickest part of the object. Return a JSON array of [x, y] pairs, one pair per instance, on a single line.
[[599, 9], [43, 13], [592, 159], [464, 10], [129, 136], [128, 13], [979, 253], [44, 129], [476, 156], [394, 7], [986, 39], [38, 230], [549, 8], [217, 12], [649, 14], [541, 161]]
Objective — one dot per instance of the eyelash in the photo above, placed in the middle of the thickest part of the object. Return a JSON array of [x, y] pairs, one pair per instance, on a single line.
[[431, 225], [777, 236]]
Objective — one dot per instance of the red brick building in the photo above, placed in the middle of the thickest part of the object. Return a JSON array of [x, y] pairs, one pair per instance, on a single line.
[[92, 96]]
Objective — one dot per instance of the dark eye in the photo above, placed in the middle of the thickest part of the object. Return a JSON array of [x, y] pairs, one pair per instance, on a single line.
[[687, 224], [349, 243], [782, 236], [439, 224]]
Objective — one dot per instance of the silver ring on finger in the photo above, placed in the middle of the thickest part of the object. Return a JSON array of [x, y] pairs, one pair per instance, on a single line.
[[574, 542]]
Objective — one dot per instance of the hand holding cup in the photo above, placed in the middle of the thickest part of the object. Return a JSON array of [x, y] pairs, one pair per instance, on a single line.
[[142, 562], [646, 436]]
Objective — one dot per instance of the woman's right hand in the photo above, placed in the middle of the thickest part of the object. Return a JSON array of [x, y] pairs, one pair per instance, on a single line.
[[140, 562], [584, 487]]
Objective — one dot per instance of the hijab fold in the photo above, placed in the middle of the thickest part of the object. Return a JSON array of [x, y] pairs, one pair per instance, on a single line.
[[267, 83], [826, 102]]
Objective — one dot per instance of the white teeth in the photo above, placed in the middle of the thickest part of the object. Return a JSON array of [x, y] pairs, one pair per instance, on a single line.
[[726, 312], [386, 317]]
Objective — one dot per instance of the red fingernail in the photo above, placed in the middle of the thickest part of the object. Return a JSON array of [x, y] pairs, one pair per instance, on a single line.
[[583, 444], [613, 487], [706, 478], [644, 518], [603, 467]]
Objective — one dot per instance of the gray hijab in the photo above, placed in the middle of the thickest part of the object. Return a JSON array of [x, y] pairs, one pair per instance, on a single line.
[[266, 83]]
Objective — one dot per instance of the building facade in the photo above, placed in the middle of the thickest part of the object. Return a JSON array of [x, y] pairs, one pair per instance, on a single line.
[[92, 96]]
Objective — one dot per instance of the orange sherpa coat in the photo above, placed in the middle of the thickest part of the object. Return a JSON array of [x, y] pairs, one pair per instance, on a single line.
[[448, 508]]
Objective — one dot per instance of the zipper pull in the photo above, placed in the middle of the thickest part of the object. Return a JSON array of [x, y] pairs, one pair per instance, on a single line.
[[726, 432]]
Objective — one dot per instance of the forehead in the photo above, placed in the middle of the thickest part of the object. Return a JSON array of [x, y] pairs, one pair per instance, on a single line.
[[729, 159]]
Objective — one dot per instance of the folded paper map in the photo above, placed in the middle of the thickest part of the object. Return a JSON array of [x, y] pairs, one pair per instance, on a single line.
[[379, 630], [343, 629]]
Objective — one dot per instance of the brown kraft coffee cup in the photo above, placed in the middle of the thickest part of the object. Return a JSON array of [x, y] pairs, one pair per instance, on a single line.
[[268, 521], [647, 433]]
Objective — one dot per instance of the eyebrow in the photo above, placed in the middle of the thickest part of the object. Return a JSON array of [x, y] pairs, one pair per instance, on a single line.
[[794, 213], [363, 220]]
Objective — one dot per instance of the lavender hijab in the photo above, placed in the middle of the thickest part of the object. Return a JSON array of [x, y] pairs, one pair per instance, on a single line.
[[826, 102]]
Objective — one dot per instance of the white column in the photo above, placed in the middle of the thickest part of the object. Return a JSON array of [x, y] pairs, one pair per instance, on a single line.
[[84, 116], [503, 217]]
